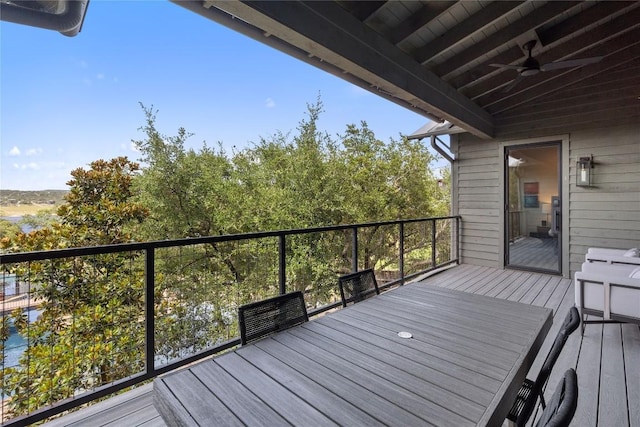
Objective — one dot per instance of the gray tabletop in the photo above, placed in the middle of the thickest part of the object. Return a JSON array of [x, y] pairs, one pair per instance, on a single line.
[[463, 365]]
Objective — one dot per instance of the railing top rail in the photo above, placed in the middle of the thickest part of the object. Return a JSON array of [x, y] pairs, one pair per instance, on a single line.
[[11, 258]]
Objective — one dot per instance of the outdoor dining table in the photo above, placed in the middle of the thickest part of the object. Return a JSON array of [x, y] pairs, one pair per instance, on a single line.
[[415, 355]]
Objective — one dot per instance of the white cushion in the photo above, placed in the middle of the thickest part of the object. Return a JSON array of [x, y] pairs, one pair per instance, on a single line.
[[625, 301], [606, 251], [622, 283], [632, 252], [607, 270]]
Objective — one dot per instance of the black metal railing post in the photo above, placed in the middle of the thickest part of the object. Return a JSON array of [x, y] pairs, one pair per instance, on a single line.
[[149, 289], [354, 253], [401, 253], [282, 264], [433, 243], [458, 239]]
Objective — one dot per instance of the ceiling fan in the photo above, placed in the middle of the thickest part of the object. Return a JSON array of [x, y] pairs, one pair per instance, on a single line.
[[531, 67]]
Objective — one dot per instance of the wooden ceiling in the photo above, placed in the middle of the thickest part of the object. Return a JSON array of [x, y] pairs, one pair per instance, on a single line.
[[435, 57]]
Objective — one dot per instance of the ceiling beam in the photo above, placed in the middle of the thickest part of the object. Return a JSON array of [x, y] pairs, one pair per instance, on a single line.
[[582, 20], [483, 71], [504, 36], [546, 85], [466, 28], [363, 9], [490, 90], [483, 78], [326, 31], [621, 87], [427, 13], [619, 97]]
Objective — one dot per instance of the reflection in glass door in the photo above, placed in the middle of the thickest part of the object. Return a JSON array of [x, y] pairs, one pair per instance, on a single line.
[[532, 217]]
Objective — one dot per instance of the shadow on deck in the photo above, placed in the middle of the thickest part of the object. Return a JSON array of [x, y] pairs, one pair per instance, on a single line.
[[607, 358]]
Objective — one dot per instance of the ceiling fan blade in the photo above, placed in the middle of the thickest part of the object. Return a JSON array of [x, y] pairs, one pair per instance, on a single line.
[[510, 67], [513, 83], [570, 63]]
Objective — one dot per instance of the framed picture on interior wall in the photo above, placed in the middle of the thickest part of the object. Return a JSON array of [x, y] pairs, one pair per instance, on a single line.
[[531, 201], [530, 188]]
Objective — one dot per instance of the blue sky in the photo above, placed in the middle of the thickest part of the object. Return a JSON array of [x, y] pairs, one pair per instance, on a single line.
[[68, 101]]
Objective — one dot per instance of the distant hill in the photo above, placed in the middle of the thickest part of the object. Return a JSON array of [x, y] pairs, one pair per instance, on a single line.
[[41, 197]]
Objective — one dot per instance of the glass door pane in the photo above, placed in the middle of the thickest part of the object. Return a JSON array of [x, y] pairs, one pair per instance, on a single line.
[[532, 210]]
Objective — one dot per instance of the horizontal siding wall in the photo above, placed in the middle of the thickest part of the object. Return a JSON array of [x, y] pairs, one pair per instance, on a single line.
[[604, 215], [478, 202], [608, 213]]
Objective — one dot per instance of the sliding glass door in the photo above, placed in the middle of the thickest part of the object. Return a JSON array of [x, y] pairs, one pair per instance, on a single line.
[[532, 217]]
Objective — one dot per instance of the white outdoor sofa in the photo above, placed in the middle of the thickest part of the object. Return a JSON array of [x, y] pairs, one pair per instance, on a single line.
[[609, 291], [614, 256]]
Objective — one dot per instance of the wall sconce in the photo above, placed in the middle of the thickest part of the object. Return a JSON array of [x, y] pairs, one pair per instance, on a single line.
[[583, 171]]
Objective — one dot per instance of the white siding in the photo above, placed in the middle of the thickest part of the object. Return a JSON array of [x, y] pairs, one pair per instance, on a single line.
[[605, 215], [477, 170], [608, 213]]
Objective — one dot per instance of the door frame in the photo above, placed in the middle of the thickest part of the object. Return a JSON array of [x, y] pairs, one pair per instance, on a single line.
[[563, 176]]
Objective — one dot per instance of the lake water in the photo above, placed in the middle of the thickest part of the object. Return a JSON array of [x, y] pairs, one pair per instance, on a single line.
[[15, 220], [17, 344]]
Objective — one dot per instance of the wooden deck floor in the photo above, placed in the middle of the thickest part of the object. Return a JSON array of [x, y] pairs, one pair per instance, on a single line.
[[607, 358]]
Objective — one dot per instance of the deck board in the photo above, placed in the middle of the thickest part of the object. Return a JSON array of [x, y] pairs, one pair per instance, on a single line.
[[612, 379], [631, 340], [609, 377]]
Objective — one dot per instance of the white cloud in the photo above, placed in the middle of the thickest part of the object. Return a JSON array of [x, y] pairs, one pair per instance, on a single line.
[[26, 166], [33, 152], [87, 82], [270, 103], [130, 147], [100, 76], [83, 64], [15, 151]]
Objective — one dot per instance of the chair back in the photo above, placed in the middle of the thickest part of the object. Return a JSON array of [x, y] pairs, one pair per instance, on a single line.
[[262, 318], [358, 286], [570, 324], [562, 405]]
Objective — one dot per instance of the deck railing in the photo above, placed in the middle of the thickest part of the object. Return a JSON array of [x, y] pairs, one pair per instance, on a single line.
[[163, 304]]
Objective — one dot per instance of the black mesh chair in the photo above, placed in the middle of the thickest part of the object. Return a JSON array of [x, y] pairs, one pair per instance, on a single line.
[[530, 390], [562, 405], [262, 318], [358, 286]]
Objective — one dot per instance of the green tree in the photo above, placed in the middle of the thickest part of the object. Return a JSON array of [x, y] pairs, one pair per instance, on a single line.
[[42, 218], [282, 182], [90, 330], [8, 229]]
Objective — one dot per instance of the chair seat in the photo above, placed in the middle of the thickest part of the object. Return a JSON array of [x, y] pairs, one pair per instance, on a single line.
[[521, 399]]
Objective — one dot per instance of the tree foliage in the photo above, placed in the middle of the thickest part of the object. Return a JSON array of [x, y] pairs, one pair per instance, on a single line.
[[91, 329], [282, 182], [8, 229], [84, 336]]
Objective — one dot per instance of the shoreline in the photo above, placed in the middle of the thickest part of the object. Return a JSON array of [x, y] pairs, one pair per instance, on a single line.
[[17, 211]]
